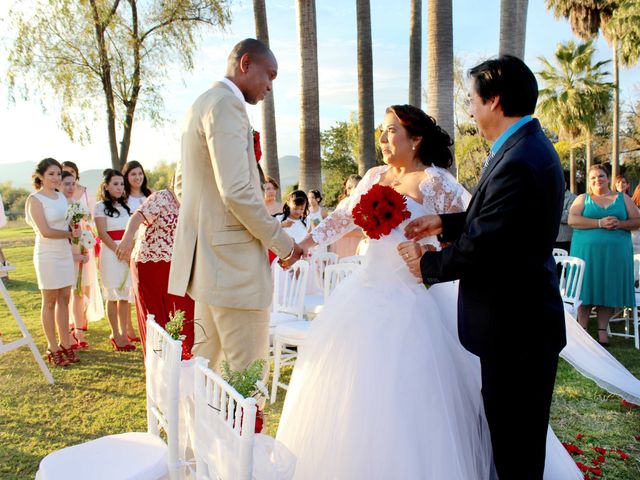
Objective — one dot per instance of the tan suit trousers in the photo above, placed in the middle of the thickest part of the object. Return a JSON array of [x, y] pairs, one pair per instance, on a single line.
[[231, 334]]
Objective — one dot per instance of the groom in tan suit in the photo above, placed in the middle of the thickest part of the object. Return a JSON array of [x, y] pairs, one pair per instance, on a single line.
[[224, 229]]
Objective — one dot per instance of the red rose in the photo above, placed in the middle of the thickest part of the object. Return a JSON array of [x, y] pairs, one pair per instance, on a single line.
[[380, 210], [256, 145]]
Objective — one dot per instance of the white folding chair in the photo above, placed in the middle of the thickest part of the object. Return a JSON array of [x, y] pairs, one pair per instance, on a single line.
[[224, 431], [629, 315], [571, 276], [560, 252], [294, 334], [288, 294], [335, 274], [318, 262], [352, 259], [139, 455]]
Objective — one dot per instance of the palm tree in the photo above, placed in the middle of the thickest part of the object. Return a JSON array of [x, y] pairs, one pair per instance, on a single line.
[[415, 54], [269, 139], [574, 94], [366, 134], [440, 64], [513, 27], [310, 175], [620, 24]]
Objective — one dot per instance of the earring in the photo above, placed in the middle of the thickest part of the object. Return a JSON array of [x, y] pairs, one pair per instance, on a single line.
[[413, 148]]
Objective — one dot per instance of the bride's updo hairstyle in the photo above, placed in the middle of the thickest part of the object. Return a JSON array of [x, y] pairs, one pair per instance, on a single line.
[[435, 145]]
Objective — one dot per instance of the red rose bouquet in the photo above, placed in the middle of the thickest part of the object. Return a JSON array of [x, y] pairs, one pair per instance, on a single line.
[[380, 210], [256, 145]]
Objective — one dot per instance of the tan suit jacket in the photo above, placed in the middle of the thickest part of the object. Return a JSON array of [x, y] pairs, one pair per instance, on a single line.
[[224, 229]]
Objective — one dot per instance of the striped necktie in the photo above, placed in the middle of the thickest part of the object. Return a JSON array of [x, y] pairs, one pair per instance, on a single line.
[[487, 163]]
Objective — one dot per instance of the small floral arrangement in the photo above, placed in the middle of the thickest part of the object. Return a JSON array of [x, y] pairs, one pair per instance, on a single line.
[[247, 382], [75, 214], [257, 149], [87, 241], [380, 210], [174, 328]]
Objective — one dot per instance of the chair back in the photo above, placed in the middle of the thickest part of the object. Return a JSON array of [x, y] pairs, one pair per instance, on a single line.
[[225, 425], [317, 263], [636, 273], [334, 274], [162, 365], [571, 273], [290, 288], [352, 259], [560, 252]]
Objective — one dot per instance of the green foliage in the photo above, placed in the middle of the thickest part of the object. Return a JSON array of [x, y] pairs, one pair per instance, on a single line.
[[339, 147], [470, 150], [83, 58], [244, 381], [174, 325], [160, 177], [13, 200]]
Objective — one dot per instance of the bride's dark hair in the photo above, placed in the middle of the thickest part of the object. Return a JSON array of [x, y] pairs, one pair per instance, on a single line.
[[435, 146]]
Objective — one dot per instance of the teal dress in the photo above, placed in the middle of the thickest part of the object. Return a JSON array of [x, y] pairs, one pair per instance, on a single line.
[[608, 256]]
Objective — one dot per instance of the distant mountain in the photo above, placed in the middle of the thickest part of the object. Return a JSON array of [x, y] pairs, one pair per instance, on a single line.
[[289, 171], [19, 174]]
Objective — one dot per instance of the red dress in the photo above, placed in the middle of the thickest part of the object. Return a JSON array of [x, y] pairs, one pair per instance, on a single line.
[[151, 261]]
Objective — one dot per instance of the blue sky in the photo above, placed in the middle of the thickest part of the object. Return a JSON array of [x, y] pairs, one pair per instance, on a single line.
[[31, 135]]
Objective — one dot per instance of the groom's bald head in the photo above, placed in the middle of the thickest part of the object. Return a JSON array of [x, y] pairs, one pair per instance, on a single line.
[[254, 49], [252, 66]]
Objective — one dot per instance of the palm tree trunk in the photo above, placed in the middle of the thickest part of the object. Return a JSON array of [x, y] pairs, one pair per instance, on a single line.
[[415, 54], [588, 153], [572, 168], [440, 64], [513, 27], [269, 138], [366, 135], [615, 147], [310, 174]]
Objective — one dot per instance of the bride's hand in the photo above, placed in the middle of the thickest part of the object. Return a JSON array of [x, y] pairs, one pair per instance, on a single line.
[[422, 227], [411, 253]]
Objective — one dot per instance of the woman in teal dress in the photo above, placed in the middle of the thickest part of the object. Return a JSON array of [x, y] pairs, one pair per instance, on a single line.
[[602, 222]]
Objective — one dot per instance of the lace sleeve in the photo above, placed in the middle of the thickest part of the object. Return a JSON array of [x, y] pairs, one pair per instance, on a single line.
[[339, 222], [442, 193]]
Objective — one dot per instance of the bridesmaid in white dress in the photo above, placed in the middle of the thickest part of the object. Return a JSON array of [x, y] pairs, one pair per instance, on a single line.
[[46, 210], [89, 306], [111, 215], [136, 192]]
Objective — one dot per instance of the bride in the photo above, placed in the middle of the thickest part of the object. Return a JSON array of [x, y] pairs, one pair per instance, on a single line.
[[383, 388]]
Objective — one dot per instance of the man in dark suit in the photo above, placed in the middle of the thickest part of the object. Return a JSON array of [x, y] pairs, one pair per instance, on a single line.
[[510, 312]]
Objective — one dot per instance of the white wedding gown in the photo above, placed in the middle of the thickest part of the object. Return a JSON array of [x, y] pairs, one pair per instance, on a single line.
[[383, 388]]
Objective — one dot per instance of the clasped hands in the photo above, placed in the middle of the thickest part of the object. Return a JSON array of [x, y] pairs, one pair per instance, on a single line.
[[296, 254], [411, 251], [609, 223]]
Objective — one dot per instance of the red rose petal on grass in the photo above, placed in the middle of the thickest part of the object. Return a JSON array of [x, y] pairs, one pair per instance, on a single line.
[[582, 466], [624, 403], [600, 450], [596, 471], [637, 437], [587, 477], [621, 454], [601, 459], [579, 436], [572, 449], [595, 461]]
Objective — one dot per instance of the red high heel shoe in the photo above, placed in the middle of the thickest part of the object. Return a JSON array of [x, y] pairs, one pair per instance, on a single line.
[[79, 344], [57, 358], [118, 348], [133, 339], [70, 354]]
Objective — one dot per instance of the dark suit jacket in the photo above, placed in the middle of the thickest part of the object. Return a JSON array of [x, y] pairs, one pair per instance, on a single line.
[[508, 297]]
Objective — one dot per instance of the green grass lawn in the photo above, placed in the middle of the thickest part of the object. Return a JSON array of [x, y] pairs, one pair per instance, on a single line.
[[104, 394]]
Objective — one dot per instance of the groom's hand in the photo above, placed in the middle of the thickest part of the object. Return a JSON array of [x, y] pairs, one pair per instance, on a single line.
[[422, 227], [411, 253], [297, 253]]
